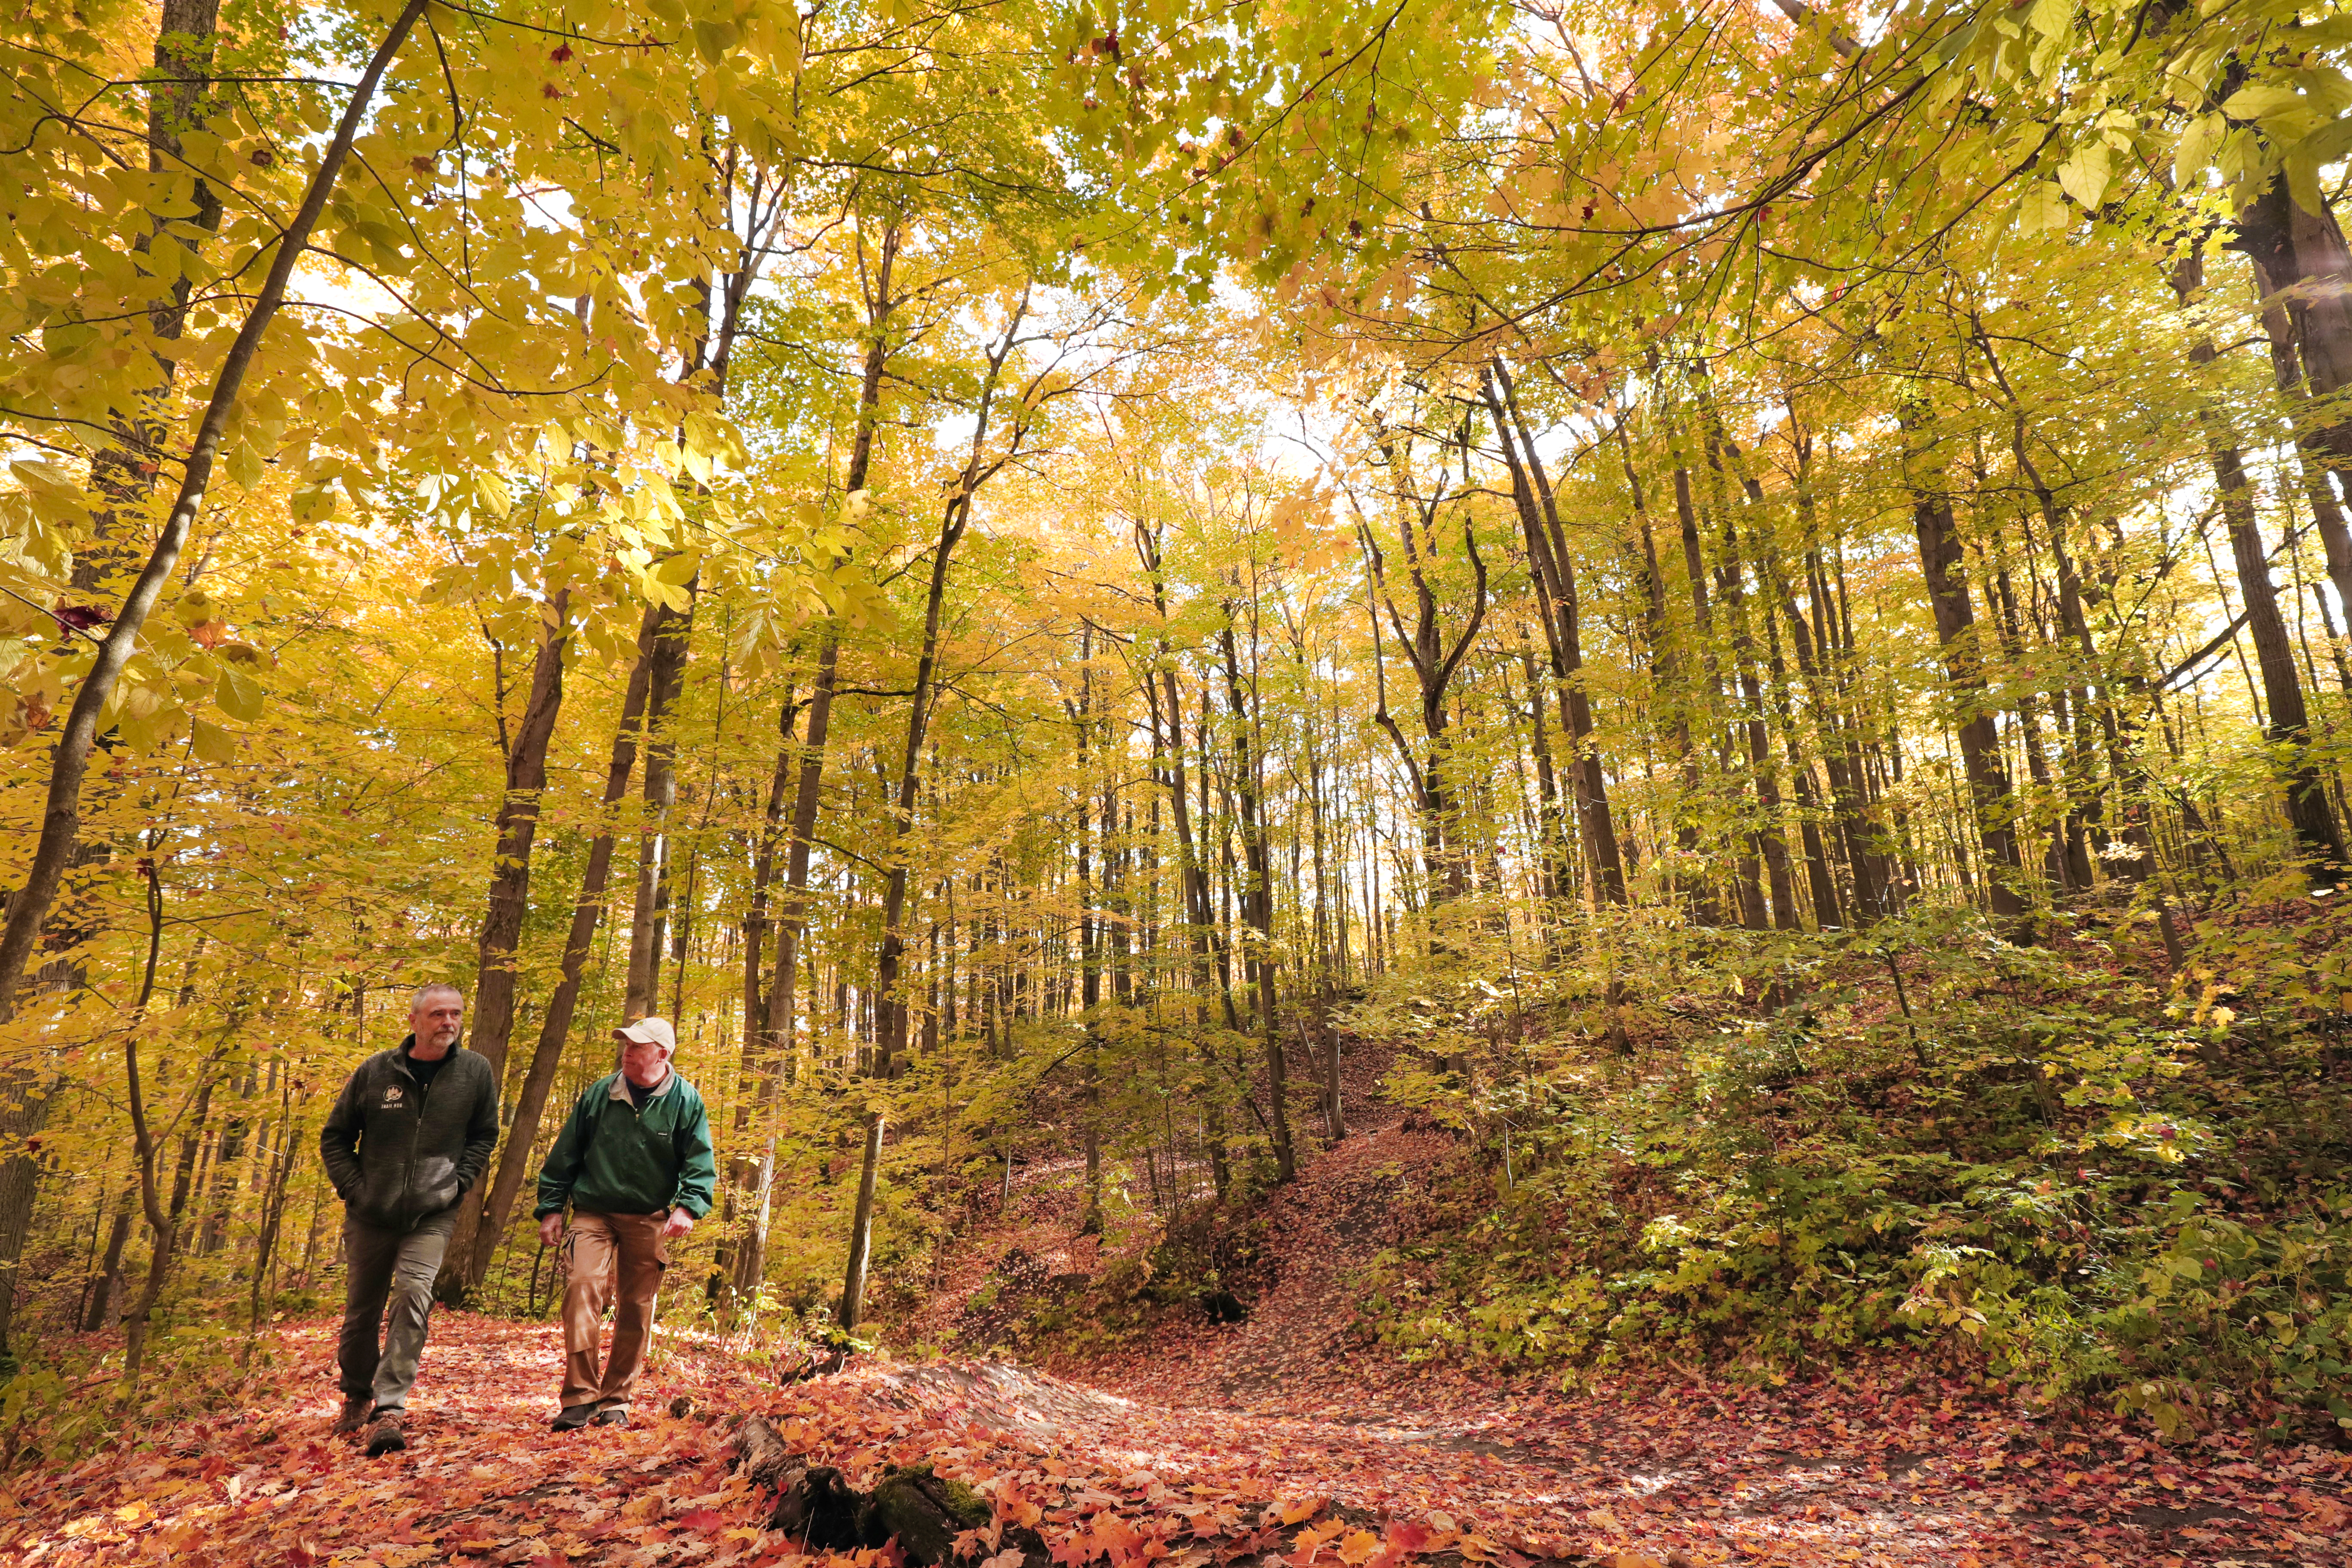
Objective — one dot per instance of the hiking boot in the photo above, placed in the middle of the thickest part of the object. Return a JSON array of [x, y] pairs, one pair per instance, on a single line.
[[572, 1417], [354, 1416], [613, 1415], [388, 1436]]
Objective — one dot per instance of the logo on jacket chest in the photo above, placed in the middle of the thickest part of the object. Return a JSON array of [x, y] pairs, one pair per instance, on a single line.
[[394, 1097]]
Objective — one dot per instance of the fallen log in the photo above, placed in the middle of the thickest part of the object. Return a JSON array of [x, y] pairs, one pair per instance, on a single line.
[[760, 1456], [815, 1504]]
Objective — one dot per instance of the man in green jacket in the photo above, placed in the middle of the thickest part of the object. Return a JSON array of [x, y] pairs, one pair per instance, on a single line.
[[635, 1162]]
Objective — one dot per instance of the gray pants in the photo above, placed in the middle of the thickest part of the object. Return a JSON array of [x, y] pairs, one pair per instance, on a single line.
[[395, 1267]]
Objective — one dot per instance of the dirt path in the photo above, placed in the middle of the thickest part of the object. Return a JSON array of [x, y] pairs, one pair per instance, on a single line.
[[1177, 1453], [1819, 1477], [1891, 1465]]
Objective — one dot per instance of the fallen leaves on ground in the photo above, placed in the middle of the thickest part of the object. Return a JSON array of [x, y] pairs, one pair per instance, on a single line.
[[1270, 1444], [483, 1479]]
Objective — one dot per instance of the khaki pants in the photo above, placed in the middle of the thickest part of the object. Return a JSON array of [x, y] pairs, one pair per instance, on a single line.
[[395, 1267], [603, 1251]]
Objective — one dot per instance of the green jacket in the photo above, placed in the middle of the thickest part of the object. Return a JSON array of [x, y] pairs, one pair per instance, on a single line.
[[612, 1157]]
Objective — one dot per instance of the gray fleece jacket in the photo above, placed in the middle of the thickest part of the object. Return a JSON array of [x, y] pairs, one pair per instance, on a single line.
[[399, 1152]]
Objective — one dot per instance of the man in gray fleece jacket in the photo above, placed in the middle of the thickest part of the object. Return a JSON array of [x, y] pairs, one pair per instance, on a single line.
[[412, 1130]]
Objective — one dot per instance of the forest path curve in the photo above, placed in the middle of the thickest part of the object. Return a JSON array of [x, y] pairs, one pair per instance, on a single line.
[[1898, 1462]]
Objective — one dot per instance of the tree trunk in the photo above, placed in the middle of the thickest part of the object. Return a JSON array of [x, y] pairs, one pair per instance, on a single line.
[[650, 913], [2289, 725], [1941, 560], [2305, 251], [2289, 728], [1556, 598], [509, 897], [108, 1290], [890, 1005], [122, 472], [1257, 908], [555, 1023]]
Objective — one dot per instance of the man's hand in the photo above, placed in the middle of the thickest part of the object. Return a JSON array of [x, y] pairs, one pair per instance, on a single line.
[[550, 1228], [679, 1223]]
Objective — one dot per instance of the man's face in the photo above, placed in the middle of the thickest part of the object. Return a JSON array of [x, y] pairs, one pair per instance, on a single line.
[[435, 1019], [646, 1064]]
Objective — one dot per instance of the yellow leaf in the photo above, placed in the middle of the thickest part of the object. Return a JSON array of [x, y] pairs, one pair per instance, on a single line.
[[211, 743], [2042, 208], [2083, 177], [239, 694]]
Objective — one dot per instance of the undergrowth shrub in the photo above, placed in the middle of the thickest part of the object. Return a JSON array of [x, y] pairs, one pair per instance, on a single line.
[[2046, 1172]]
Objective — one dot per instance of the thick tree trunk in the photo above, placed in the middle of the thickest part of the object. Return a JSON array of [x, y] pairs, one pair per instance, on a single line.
[[2322, 446], [2288, 724], [2305, 251]]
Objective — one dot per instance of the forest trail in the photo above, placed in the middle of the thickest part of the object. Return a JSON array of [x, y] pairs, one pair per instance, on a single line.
[[1191, 1448]]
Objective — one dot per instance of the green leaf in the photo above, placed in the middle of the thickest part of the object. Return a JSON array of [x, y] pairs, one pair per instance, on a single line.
[[2191, 159], [712, 40], [2261, 101], [2324, 146]]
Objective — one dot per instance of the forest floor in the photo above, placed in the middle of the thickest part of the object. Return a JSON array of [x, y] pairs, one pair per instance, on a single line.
[[1272, 1439]]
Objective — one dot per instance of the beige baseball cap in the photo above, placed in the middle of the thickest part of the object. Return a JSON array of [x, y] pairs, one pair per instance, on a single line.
[[649, 1032]]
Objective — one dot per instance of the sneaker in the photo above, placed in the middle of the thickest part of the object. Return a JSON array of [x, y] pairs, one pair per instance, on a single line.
[[572, 1417], [354, 1416], [613, 1415], [388, 1436]]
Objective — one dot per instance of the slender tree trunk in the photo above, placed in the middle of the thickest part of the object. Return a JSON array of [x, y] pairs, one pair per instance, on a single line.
[[1941, 560], [650, 913], [1556, 598], [515, 1154], [509, 897], [891, 1006], [273, 1214], [1257, 908], [108, 1291]]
